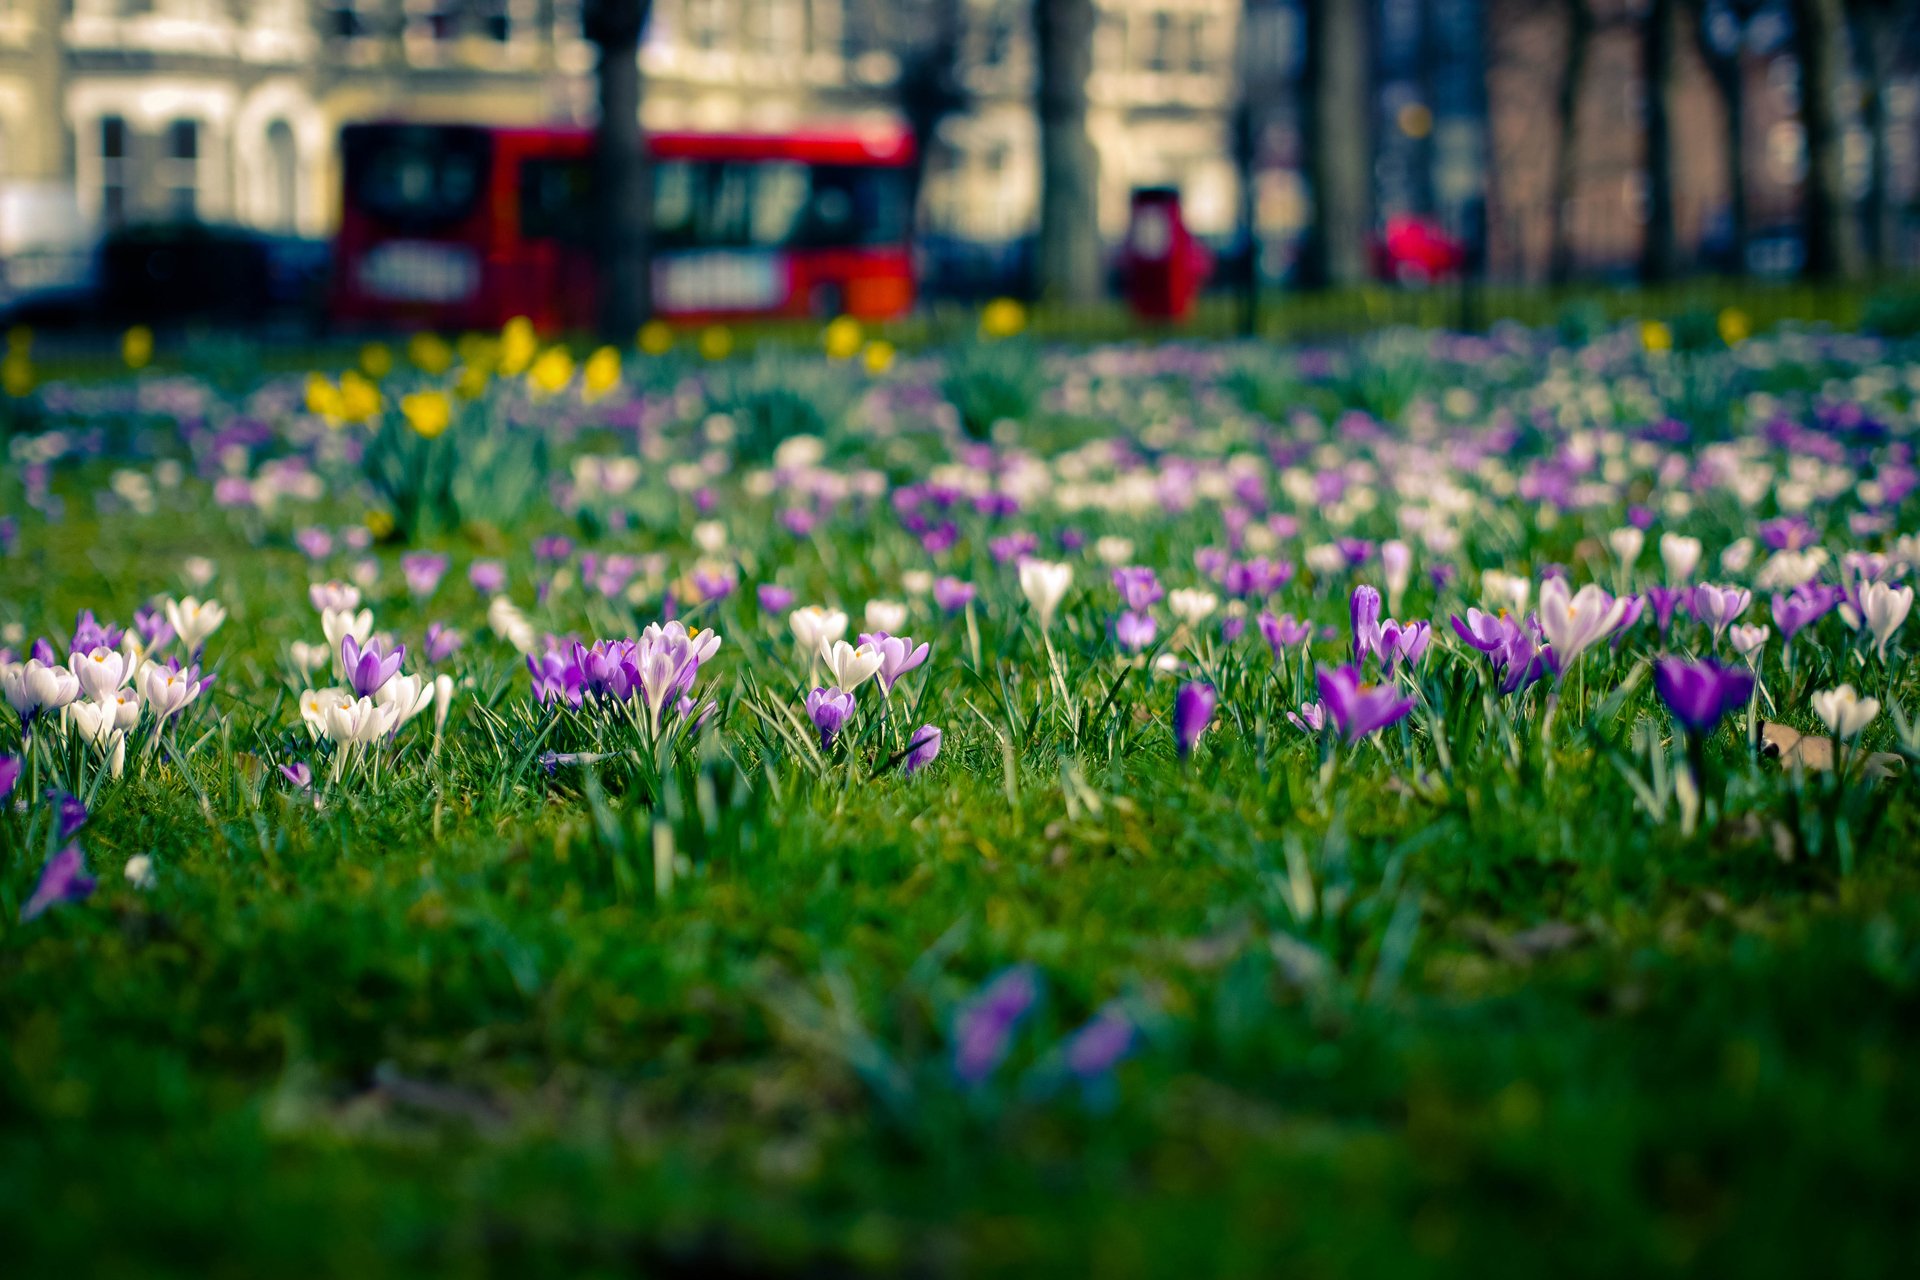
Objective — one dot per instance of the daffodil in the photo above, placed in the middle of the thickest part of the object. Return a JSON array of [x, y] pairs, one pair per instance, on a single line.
[[428, 412]]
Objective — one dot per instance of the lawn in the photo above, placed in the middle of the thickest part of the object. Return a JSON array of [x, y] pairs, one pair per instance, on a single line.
[[1227, 925]]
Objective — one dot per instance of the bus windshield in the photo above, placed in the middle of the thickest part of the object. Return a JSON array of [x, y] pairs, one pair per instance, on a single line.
[[416, 178]]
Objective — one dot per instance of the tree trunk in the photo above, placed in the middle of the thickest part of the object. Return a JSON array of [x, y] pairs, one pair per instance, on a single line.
[[929, 90], [1334, 111], [1728, 72], [1833, 245], [1879, 56], [1566, 154], [1069, 249], [1658, 250], [623, 189]]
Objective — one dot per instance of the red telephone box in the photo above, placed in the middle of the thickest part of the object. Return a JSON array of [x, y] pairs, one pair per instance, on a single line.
[[1162, 262]]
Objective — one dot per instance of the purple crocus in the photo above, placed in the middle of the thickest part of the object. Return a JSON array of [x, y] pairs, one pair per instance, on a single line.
[[1138, 587], [1808, 603], [774, 598], [442, 642], [368, 669], [487, 576], [1357, 708], [1192, 712], [1134, 631], [829, 710], [69, 813], [63, 879], [423, 571], [316, 543], [298, 775], [1311, 718], [1487, 632], [1364, 609], [1403, 642], [1283, 631], [1098, 1047], [952, 595], [983, 1033], [1665, 600], [1720, 607], [1700, 694], [154, 630], [898, 655], [924, 749], [9, 776]]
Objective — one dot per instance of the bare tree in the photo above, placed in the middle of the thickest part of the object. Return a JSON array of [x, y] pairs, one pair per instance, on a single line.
[[1880, 29], [1719, 38], [1820, 39], [1566, 154], [623, 194], [1334, 114], [928, 40], [1658, 251], [1069, 249]]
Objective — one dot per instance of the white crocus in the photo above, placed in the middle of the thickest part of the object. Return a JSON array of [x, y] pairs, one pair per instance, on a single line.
[[1573, 623], [33, 686], [1627, 543], [1114, 550], [93, 721], [917, 582], [139, 871], [814, 626], [1190, 605], [338, 624], [442, 702], [308, 658], [1844, 711], [101, 671], [166, 690], [506, 619], [406, 696], [194, 620], [358, 721], [1883, 608], [1738, 557], [850, 665], [1045, 583], [889, 616], [198, 571], [1507, 591], [1681, 556], [1749, 641], [314, 705]]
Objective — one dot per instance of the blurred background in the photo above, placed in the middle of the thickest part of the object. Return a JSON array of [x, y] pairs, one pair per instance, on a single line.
[[335, 165]]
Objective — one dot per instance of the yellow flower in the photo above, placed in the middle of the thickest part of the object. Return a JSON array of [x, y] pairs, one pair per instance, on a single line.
[[16, 373], [602, 373], [1735, 327], [379, 523], [552, 371], [479, 348], [879, 357], [359, 398], [376, 360], [472, 382], [716, 342], [430, 353], [1655, 336], [428, 412], [136, 348], [1002, 318], [518, 345], [323, 398], [842, 338], [656, 338]]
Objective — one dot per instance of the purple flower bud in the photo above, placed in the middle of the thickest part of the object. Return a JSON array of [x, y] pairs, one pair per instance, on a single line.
[[9, 776], [1098, 1047], [774, 598], [70, 813], [1192, 712], [368, 669], [442, 642], [423, 571], [1134, 631], [1358, 709], [1700, 694], [924, 748], [487, 577], [829, 710], [1282, 632], [298, 774], [952, 595], [983, 1032], [63, 879]]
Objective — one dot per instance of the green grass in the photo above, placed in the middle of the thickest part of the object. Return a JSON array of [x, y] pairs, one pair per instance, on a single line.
[[1488, 1019]]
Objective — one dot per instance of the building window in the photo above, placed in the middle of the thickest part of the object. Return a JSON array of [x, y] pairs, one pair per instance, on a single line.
[[706, 24], [431, 23], [496, 21], [181, 178], [113, 170], [1160, 55], [347, 20], [283, 167]]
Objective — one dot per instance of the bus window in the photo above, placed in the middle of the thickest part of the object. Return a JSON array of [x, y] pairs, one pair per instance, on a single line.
[[556, 200], [772, 204]]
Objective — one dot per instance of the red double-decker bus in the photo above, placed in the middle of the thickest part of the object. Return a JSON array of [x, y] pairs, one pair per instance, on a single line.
[[465, 227]]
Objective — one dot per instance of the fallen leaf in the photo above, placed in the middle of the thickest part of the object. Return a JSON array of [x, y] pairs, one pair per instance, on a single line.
[[1814, 753]]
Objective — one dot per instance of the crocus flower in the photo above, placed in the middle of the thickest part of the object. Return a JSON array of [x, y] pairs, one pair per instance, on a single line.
[[1356, 708], [1310, 718], [829, 709], [64, 878], [1574, 623], [1098, 1047], [1138, 587], [1748, 642], [1720, 607], [1681, 556], [814, 626], [1881, 610], [1364, 610], [898, 656], [1665, 600], [1282, 632], [1807, 604], [1134, 631], [850, 665], [441, 643], [423, 571], [1844, 711], [1403, 642], [773, 597], [194, 621], [1192, 712], [952, 595], [924, 748], [1701, 694], [1045, 584], [369, 668], [488, 577], [9, 776], [983, 1032], [298, 775], [170, 689], [1487, 632]]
